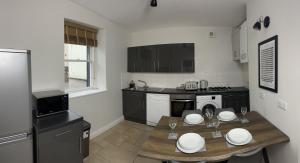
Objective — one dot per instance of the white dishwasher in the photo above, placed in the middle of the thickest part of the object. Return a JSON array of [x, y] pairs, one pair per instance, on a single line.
[[157, 105]]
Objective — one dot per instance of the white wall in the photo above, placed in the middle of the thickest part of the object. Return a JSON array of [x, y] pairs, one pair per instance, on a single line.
[[285, 23], [38, 25], [213, 56]]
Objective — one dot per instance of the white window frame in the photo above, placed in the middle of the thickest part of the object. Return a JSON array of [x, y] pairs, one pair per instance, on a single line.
[[92, 72]]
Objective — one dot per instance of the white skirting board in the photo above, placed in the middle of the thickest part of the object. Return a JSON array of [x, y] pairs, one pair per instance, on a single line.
[[106, 127]]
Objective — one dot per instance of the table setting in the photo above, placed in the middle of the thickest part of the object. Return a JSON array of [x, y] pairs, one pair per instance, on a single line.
[[193, 142], [212, 136]]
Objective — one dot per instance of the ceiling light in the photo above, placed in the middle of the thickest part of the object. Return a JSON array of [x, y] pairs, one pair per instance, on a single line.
[[257, 26], [265, 21], [153, 3]]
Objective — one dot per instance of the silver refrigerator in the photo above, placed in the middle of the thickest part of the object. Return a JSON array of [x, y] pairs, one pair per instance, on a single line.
[[15, 107]]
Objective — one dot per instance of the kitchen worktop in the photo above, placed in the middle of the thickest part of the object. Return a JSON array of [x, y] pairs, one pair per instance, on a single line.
[[55, 121], [182, 91]]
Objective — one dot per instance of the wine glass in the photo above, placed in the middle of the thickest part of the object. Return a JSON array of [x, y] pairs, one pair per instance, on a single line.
[[244, 111], [172, 124], [216, 124], [209, 113]]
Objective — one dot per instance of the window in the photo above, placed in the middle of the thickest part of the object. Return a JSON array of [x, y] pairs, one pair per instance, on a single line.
[[79, 48], [79, 68]]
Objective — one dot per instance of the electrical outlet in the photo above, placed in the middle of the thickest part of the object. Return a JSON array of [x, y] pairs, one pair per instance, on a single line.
[[282, 104], [212, 34]]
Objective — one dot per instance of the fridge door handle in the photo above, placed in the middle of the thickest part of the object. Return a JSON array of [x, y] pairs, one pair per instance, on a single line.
[[13, 138]]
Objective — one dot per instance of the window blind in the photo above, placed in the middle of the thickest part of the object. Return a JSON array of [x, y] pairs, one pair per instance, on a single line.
[[80, 34]]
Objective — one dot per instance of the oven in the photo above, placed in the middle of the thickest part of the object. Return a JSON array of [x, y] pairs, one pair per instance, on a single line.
[[181, 102]]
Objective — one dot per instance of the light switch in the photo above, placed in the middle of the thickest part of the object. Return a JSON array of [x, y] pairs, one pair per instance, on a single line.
[[262, 95], [282, 104]]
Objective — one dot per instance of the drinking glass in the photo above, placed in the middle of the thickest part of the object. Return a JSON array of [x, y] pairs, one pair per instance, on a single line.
[[216, 124], [209, 113]]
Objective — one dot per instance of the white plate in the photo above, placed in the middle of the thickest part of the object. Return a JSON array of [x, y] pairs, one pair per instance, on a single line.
[[226, 116], [239, 136], [193, 119], [188, 151], [191, 141], [238, 144]]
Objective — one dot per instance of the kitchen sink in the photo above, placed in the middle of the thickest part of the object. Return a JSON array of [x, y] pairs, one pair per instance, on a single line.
[[150, 89]]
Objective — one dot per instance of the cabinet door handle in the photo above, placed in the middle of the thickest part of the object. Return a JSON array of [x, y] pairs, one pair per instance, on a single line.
[[80, 146], [63, 133], [182, 100]]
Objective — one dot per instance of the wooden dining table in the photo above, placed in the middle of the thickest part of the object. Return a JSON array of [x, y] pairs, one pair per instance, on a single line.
[[159, 147]]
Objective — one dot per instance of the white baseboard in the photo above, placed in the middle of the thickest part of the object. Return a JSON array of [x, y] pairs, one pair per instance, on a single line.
[[106, 127]]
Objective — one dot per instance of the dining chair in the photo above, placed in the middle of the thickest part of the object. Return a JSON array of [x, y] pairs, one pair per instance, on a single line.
[[254, 152], [179, 162]]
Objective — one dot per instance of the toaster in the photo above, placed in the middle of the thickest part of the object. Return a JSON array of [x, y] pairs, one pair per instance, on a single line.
[[191, 85]]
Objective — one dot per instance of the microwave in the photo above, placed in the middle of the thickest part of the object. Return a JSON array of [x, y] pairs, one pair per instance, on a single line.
[[49, 102]]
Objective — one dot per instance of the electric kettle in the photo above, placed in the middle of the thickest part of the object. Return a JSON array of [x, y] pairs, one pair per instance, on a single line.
[[203, 84]]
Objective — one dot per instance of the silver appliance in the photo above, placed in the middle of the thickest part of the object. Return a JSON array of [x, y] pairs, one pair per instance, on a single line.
[[15, 107], [203, 84], [191, 86], [182, 102]]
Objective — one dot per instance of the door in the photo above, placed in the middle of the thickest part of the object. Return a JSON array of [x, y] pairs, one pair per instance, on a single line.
[[182, 58], [158, 105], [16, 151], [134, 106], [62, 145], [236, 101], [179, 105], [15, 93], [148, 58], [164, 58], [131, 59]]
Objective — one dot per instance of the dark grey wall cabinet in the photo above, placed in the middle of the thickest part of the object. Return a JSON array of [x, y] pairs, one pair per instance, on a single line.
[[132, 54], [182, 59], [134, 106], [147, 59], [164, 56], [236, 100], [176, 58]]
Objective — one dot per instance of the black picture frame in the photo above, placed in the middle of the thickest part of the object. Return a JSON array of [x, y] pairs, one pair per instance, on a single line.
[[275, 89]]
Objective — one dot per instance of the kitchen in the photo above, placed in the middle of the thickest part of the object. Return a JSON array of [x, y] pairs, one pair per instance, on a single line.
[[212, 29]]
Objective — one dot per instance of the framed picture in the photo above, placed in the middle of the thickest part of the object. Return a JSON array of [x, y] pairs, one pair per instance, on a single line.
[[268, 64]]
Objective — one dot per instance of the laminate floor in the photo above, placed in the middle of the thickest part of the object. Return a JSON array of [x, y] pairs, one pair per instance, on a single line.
[[120, 144]]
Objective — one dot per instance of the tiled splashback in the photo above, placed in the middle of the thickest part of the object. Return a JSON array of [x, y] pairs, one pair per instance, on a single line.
[[165, 80]]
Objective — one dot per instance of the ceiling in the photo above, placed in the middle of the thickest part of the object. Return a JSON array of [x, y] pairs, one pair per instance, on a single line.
[[138, 15]]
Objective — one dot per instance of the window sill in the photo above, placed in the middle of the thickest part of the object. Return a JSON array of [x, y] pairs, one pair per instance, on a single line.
[[85, 92]]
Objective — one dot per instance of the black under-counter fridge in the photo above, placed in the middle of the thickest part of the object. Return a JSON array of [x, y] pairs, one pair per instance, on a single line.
[[57, 138]]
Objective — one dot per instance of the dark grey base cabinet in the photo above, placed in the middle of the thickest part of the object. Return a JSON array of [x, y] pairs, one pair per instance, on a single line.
[[236, 100], [61, 145], [134, 106], [57, 138]]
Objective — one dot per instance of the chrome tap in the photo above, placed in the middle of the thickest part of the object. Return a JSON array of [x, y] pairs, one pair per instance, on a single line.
[[145, 83]]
